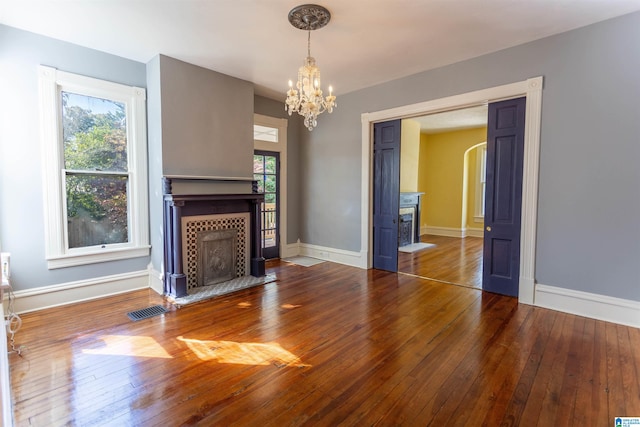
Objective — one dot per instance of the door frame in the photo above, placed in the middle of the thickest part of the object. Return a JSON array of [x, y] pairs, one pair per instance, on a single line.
[[532, 90], [267, 251], [279, 147]]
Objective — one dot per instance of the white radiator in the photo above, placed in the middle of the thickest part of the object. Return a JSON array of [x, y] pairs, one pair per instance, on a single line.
[[5, 382], [6, 409]]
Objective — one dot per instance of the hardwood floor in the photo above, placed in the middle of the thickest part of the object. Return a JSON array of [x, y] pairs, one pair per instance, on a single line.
[[452, 260], [325, 345]]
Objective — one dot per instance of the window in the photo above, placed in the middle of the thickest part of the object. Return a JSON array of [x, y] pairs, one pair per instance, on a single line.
[[481, 181], [94, 143], [265, 133]]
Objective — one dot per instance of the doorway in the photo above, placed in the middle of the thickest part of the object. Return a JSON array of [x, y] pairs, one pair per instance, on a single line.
[[270, 136], [442, 160], [266, 168], [531, 89]]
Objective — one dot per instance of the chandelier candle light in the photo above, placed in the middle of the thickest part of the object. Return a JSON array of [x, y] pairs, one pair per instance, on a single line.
[[306, 99]]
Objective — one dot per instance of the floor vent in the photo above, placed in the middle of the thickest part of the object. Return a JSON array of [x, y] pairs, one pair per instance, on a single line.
[[147, 312]]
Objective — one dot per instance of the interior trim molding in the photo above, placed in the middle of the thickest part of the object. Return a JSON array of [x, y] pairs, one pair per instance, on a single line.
[[600, 307], [156, 280], [82, 290], [340, 256], [290, 250], [474, 232], [532, 90]]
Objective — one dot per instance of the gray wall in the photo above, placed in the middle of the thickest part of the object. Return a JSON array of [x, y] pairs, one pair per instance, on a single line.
[[589, 204], [207, 121], [275, 108], [21, 203]]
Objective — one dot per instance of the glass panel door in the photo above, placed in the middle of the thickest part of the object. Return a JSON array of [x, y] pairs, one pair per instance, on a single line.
[[266, 167]]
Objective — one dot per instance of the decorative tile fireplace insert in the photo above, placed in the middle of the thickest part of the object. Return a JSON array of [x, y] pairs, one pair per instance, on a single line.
[[210, 238]]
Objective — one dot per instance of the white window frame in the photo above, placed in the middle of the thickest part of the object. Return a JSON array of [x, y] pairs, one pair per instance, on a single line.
[[52, 82], [481, 182]]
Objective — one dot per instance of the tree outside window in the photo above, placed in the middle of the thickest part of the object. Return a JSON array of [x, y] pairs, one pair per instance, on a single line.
[[96, 170]]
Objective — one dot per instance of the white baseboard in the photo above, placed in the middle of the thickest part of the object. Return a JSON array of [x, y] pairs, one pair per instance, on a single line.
[[474, 232], [601, 307], [442, 231], [290, 250], [156, 281], [82, 290], [341, 256], [526, 290], [452, 232]]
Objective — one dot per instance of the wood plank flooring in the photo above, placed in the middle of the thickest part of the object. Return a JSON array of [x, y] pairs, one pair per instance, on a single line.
[[325, 345], [452, 260]]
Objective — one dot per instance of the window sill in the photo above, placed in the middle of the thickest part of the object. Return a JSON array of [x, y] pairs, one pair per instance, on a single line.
[[92, 258]]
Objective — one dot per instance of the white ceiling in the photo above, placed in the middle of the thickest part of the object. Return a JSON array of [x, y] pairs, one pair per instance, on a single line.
[[367, 41]]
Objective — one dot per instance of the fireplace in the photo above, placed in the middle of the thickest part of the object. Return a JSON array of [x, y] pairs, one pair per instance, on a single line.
[[215, 248], [406, 234], [210, 238], [217, 258], [409, 224]]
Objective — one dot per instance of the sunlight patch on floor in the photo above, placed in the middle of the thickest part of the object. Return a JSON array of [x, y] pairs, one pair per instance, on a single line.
[[239, 353], [127, 345]]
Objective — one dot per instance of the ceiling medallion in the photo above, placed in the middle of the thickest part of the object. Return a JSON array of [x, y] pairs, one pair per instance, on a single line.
[[307, 98], [309, 17]]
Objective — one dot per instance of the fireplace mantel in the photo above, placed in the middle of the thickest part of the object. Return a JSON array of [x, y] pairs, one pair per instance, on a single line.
[[177, 206]]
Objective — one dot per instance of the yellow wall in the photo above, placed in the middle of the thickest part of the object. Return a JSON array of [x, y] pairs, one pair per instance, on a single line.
[[441, 170], [409, 155]]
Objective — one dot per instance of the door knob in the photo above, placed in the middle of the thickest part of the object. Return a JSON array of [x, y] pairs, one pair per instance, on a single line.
[[488, 228]]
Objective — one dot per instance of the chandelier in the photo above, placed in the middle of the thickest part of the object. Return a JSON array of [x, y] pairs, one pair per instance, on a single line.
[[307, 99]]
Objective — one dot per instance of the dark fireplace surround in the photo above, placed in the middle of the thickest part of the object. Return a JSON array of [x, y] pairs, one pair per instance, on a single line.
[[178, 206]]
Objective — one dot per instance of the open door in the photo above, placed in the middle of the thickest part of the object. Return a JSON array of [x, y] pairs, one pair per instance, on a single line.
[[386, 194], [503, 198], [266, 171]]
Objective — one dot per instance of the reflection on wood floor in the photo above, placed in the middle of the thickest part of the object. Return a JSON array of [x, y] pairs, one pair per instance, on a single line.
[[452, 260], [325, 345]]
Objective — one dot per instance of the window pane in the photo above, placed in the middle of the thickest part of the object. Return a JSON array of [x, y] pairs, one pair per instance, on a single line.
[[94, 133], [270, 183], [96, 209], [264, 133], [270, 197], [258, 163], [260, 180], [269, 238], [270, 164]]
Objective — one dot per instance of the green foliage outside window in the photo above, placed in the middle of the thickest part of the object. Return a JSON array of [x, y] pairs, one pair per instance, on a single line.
[[95, 161]]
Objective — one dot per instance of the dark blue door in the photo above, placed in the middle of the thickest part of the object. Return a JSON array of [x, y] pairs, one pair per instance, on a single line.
[[386, 194], [503, 203]]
